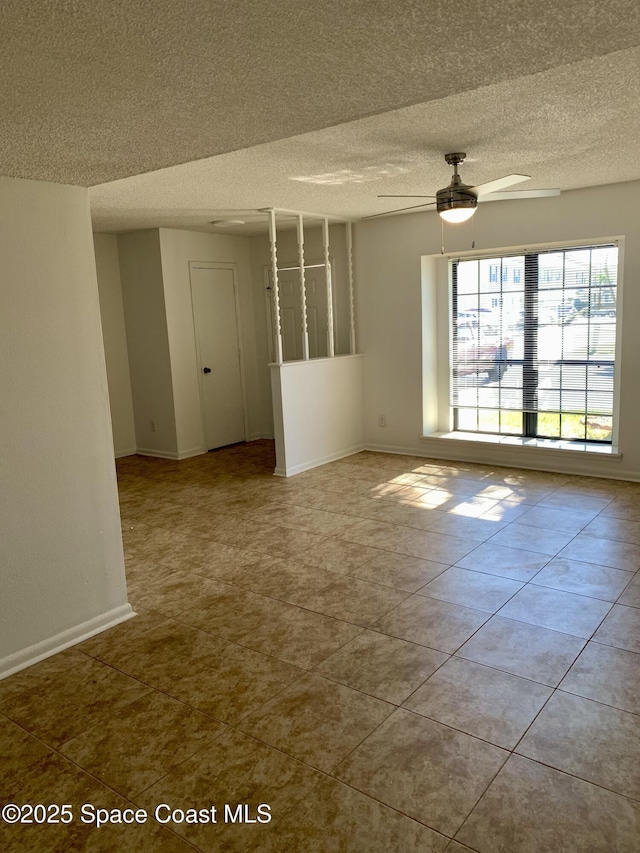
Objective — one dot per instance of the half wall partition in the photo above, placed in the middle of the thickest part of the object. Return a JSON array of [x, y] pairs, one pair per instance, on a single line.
[[317, 392]]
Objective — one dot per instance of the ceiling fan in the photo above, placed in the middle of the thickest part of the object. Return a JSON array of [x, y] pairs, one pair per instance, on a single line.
[[457, 202]]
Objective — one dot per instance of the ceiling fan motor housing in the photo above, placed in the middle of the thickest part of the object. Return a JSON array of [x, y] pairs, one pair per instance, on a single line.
[[457, 195]]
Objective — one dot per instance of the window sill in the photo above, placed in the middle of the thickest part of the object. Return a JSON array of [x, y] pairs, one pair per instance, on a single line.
[[549, 448]]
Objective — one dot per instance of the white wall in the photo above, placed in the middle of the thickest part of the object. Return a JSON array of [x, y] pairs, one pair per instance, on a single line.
[[288, 256], [178, 248], [317, 411], [147, 343], [435, 348], [389, 281], [62, 569], [389, 326], [115, 343]]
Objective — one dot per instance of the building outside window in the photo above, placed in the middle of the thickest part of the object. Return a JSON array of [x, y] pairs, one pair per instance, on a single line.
[[532, 343]]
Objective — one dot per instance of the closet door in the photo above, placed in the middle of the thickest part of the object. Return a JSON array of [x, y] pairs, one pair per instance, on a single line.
[[213, 293]]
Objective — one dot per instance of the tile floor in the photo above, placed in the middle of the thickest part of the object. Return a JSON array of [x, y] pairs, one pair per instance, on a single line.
[[395, 654]]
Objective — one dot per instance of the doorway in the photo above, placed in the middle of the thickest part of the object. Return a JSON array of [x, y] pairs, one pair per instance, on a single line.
[[214, 298]]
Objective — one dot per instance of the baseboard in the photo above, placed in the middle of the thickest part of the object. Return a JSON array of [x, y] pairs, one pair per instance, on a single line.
[[188, 454], [397, 450], [157, 454], [58, 643], [315, 463], [496, 455], [129, 452], [256, 436], [170, 454]]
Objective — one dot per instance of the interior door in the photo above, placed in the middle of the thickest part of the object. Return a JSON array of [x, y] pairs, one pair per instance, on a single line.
[[291, 312], [218, 349]]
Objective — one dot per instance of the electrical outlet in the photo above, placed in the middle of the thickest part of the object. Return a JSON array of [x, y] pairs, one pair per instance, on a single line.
[[382, 420], [153, 426]]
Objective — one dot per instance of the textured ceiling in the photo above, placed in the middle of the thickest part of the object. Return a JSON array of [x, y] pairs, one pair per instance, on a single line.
[[92, 92], [571, 127]]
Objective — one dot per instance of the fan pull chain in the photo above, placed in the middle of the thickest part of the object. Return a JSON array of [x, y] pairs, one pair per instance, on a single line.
[[442, 236], [473, 232]]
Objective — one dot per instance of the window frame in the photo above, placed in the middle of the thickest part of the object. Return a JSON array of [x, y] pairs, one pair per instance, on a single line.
[[531, 255]]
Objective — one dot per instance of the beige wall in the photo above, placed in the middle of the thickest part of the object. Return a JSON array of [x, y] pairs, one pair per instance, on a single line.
[[147, 343], [401, 377], [115, 343], [318, 411], [62, 568]]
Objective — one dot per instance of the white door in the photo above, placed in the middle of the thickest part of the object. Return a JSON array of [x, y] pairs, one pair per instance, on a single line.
[[291, 312], [218, 347]]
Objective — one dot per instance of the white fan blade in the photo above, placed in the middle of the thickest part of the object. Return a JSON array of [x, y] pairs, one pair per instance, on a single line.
[[400, 210], [499, 184], [386, 195], [519, 194]]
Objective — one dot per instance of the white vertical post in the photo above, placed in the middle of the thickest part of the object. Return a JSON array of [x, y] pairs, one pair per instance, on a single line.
[[303, 294], [352, 316], [277, 327], [327, 271]]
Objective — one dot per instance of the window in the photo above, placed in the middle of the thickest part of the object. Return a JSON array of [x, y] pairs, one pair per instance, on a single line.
[[533, 343]]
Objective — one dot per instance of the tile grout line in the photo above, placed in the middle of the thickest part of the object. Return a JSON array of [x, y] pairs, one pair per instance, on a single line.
[[305, 671]]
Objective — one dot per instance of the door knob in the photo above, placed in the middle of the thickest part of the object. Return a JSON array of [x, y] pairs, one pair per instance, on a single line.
[[206, 370]]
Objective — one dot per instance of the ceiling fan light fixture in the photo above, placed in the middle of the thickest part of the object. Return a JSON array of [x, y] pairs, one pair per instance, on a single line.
[[457, 214], [456, 203]]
